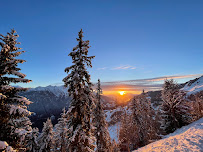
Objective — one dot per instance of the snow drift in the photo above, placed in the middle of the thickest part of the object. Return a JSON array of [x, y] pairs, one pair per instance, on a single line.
[[188, 139]]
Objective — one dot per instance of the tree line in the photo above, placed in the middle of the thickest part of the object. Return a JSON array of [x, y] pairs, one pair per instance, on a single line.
[[83, 127]]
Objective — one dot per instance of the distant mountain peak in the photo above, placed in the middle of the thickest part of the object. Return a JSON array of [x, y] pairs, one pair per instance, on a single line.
[[57, 90]]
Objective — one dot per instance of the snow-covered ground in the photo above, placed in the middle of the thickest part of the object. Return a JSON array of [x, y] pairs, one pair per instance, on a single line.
[[194, 87], [5, 147], [113, 131], [187, 139]]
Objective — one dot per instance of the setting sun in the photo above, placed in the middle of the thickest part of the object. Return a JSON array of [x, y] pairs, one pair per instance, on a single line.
[[121, 92]]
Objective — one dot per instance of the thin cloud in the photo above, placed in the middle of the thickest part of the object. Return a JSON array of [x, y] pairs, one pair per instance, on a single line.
[[156, 79], [176, 77], [124, 67], [150, 84], [102, 68]]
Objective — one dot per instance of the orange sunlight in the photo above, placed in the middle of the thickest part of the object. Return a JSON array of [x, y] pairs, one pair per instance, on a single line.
[[121, 92], [110, 92]]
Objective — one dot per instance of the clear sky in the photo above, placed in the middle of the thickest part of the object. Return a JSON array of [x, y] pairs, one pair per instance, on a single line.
[[131, 39]]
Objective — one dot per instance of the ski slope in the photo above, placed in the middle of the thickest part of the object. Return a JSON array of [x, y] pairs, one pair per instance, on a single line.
[[186, 139]]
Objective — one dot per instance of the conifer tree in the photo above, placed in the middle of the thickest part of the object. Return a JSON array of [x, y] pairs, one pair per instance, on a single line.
[[32, 145], [124, 133], [61, 133], [81, 136], [175, 111], [15, 124], [144, 126], [103, 139], [197, 106], [23, 131], [137, 133], [45, 139]]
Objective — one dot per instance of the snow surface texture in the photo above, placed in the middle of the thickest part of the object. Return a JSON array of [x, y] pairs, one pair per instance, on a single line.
[[114, 131], [187, 139], [4, 146], [194, 87]]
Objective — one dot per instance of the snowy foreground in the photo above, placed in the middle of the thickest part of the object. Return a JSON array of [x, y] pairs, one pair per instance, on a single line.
[[187, 139]]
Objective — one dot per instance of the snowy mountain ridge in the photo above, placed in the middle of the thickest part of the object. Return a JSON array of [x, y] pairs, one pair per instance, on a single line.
[[56, 90], [194, 86]]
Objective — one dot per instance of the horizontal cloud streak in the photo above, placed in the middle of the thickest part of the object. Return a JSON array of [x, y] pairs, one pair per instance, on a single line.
[[155, 79], [138, 85], [102, 68], [124, 67]]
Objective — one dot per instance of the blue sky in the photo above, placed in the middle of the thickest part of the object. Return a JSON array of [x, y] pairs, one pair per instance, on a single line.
[[130, 39]]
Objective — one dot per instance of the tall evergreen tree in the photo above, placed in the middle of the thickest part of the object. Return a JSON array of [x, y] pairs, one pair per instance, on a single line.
[[125, 133], [61, 133], [144, 126], [45, 139], [81, 136], [175, 111], [103, 139], [15, 124], [137, 130], [32, 145]]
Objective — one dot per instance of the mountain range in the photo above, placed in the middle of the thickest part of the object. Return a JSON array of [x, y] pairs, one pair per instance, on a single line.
[[49, 101]]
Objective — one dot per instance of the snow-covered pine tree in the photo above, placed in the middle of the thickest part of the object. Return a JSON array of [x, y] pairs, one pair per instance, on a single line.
[[15, 124], [23, 131], [198, 106], [32, 145], [103, 139], [175, 111], [61, 133], [125, 133], [144, 125], [136, 134], [45, 139], [81, 137]]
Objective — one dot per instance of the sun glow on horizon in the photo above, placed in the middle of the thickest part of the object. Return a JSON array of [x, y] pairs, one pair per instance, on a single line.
[[117, 92], [122, 93]]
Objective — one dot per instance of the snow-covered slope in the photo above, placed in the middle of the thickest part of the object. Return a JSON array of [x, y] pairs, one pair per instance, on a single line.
[[188, 139], [194, 86], [113, 118]]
